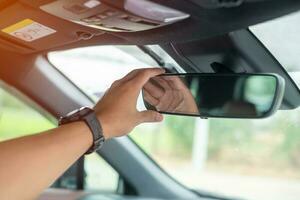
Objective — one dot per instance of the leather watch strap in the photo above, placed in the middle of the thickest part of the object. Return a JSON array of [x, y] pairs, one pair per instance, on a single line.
[[89, 117], [97, 132]]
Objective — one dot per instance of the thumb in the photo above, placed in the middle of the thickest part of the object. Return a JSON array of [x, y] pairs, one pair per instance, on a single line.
[[150, 116]]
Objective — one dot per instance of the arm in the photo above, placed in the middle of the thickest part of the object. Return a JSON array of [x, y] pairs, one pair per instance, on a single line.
[[30, 164]]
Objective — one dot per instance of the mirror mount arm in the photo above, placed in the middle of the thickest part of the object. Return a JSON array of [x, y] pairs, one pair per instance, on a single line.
[[220, 68]]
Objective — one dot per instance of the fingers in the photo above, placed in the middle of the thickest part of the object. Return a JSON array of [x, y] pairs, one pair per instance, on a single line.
[[149, 116], [142, 76], [126, 78], [130, 75], [175, 82], [153, 89], [168, 101], [159, 93], [178, 98], [163, 83], [150, 99], [179, 106]]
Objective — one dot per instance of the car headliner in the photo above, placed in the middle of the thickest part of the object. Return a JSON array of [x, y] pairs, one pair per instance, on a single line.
[[25, 67]]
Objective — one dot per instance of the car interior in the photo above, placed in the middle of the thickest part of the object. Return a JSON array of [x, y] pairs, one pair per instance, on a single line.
[[50, 51]]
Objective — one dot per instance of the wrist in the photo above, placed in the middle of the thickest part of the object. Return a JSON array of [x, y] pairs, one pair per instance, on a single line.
[[89, 117], [88, 138]]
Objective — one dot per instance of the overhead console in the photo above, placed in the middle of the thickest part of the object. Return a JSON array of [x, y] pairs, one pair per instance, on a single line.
[[28, 26], [115, 15]]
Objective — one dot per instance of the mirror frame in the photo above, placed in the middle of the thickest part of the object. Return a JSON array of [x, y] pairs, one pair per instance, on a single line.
[[278, 97]]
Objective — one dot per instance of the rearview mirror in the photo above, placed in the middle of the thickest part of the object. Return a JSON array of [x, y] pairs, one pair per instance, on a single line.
[[215, 95]]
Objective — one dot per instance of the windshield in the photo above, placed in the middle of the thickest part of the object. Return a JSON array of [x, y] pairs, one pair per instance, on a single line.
[[109, 63], [244, 159], [281, 37]]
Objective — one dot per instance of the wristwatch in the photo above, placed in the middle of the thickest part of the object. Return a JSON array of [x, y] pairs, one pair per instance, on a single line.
[[89, 117]]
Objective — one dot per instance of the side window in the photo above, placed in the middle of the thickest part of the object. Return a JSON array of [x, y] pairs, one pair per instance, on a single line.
[[98, 175], [89, 173], [225, 156], [13, 111]]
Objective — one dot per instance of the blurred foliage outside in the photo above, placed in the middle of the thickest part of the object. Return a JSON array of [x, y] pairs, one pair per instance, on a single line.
[[268, 147], [18, 119]]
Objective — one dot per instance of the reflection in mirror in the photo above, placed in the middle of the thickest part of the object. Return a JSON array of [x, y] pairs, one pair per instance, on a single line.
[[170, 94], [214, 95]]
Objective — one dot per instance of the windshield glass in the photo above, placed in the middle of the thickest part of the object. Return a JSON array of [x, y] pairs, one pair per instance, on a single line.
[[281, 36], [94, 69], [243, 159]]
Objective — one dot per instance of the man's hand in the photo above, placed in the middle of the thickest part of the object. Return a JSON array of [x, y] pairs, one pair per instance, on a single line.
[[45, 156], [117, 111]]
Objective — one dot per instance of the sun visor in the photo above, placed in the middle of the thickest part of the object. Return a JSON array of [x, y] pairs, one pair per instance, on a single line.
[[27, 29]]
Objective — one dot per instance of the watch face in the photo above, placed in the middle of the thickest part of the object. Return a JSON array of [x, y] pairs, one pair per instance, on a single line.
[[72, 112], [84, 111], [76, 115], [81, 112]]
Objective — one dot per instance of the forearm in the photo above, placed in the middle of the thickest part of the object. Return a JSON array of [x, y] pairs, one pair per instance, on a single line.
[[30, 164]]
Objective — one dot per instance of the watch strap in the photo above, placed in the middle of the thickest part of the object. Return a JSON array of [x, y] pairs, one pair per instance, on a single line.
[[97, 131], [89, 117]]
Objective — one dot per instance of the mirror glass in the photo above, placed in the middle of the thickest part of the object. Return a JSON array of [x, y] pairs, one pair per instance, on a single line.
[[213, 95]]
